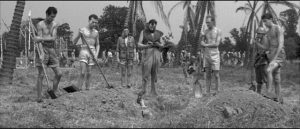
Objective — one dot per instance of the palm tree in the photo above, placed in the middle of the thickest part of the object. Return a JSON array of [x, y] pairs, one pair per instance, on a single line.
[[193, 18], [254, 19], [10, 54], [136, 13]]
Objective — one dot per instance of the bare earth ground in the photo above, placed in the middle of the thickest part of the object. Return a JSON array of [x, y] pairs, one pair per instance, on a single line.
[[174, 107]]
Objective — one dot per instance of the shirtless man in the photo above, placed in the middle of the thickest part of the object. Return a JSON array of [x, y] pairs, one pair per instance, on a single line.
[[91, 37], [212, 37], [276, 54], [46, 36]]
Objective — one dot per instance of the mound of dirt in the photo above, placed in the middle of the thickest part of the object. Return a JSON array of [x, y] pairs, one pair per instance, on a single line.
[[237, 107]]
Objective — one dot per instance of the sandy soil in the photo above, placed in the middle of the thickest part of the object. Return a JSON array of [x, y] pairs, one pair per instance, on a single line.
[[174, 107]]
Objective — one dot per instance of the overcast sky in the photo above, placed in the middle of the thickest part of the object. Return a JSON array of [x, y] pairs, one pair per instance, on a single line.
[[76, 13]]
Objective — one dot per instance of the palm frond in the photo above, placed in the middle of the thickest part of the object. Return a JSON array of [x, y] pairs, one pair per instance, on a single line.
[[187, 3], [191, 18], [198, 10], [211, 8], [242, 8], [141, 12], [160, 10], [286, 3], [176, 5], [272, 11], [185, 21]]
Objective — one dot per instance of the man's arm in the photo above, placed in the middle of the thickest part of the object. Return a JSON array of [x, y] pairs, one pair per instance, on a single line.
[[160, 43], [39, 34], [77, 38], [217, 43], [262, 43], [118, 50], [134, 49], [41, 38], [280, 39], [140, 45]]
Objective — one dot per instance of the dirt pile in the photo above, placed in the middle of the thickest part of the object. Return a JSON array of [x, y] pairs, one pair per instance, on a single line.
[[95, 101], [237, 107]]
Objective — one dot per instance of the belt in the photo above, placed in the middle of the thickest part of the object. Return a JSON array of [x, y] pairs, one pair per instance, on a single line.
[[48, 44], [85, 46]]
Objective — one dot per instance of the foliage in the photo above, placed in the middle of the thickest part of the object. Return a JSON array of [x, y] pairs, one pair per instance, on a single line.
[[226, 45], [240, 39], [111, 24], [291, 37], [64, 30]]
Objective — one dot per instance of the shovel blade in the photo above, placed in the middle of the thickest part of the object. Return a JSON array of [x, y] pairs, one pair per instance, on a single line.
[[52, 94], [71, 89]]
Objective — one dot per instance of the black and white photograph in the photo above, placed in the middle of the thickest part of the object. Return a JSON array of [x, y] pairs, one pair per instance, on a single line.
[[150, 64]]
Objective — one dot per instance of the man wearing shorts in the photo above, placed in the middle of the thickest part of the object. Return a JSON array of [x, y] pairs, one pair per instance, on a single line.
[[261, 60], [91, 37], [46, 30], [275, 53], [211, 53]]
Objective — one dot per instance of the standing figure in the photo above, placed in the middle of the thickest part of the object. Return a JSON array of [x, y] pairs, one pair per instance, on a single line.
[[73, 58], [150, 42], [109, 58], [46, 30], [261, 61], [211, 53], [275, 53], [126, 55], [91, 37]]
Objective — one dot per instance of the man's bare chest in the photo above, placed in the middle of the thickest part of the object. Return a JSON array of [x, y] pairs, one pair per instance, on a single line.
[[89, 34], [211, 34]]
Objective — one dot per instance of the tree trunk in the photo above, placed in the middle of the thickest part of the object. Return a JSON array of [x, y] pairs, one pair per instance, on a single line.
[[9, 55], [199, 29], [128, 17], [179, 47]]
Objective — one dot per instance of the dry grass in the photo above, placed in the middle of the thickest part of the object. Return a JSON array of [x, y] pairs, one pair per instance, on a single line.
[[174, 107]]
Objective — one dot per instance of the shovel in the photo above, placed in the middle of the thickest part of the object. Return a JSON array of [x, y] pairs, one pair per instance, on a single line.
[[73, 88], [39, 47], [49, 91]]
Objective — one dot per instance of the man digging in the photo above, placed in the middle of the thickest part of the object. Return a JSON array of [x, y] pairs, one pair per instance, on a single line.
[[46, 30], [91, 37]]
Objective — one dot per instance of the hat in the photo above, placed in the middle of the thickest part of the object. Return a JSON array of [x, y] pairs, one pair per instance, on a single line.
[[261, 30], [152, 21]]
